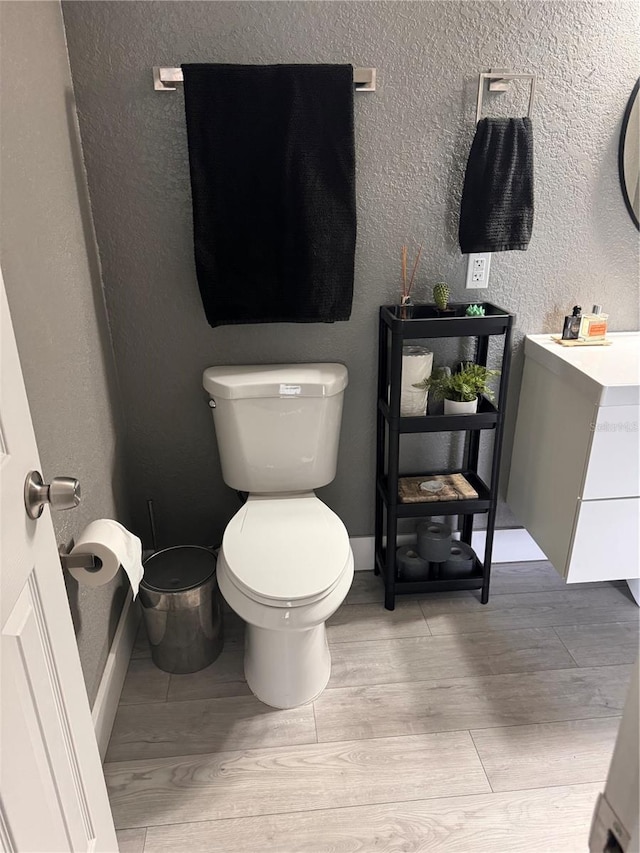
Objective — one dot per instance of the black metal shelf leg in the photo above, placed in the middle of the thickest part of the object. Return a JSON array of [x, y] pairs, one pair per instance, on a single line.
[[392, 520], [393, 451], [495, 465], [380, 439], [467, 528], [488, 550]]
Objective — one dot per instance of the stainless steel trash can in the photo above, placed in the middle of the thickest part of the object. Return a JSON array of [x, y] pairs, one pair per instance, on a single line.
[[181, 607]]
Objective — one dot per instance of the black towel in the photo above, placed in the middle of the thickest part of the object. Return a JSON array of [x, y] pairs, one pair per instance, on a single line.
[[496, 213], [272, 160]]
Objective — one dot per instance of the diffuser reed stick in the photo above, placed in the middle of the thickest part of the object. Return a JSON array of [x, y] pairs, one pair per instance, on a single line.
[[404, 273], [407, 287]]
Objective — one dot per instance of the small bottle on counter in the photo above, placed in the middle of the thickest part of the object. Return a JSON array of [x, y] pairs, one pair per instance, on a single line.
[[593, 327], [571, 328]]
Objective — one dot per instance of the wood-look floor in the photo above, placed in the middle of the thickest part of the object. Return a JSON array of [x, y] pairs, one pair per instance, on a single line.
[[447, 725]]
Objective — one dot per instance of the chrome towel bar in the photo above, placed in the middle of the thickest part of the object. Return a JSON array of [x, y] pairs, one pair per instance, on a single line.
[[165, 79]]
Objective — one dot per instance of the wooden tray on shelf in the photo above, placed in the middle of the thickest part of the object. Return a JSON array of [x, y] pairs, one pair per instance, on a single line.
[[455, 487]]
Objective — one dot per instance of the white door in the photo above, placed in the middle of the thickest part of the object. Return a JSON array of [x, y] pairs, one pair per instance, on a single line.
[[52, 790]]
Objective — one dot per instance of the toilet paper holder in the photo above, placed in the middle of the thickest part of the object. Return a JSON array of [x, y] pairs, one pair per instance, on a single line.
[[78, 561]]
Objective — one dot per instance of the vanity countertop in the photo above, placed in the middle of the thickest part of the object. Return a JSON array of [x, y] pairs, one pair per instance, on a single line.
[[610, 375]]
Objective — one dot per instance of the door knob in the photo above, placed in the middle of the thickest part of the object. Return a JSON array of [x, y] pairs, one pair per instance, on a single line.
[[60, 493]]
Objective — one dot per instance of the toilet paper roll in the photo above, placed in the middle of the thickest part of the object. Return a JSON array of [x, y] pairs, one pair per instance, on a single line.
[[461, 559], [113, 546], [434, 541], [410, 564], [417, 363]]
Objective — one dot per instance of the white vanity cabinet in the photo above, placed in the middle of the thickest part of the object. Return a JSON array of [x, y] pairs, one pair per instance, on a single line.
[[575, 469]]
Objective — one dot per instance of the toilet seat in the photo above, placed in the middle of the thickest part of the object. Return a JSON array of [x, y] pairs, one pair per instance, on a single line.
[[285, 551]]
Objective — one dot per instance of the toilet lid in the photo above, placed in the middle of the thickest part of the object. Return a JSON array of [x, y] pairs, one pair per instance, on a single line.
[[286, 549]]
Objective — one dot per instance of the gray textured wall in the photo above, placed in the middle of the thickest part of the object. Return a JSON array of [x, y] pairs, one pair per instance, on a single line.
[[51, 274], [412, 139]]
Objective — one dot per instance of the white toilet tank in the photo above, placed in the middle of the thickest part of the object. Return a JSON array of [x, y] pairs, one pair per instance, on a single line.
[[277, 425]]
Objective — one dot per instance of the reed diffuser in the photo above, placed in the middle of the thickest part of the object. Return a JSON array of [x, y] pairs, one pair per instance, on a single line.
[[406, 305]]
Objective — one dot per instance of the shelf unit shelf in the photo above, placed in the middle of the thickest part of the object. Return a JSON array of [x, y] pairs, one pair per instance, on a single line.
[[486, 418], [427, 321], [436, 582], [458, 507]]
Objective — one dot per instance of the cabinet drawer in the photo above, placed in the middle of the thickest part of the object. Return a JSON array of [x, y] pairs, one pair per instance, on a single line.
[[613, 467], [606, 542]]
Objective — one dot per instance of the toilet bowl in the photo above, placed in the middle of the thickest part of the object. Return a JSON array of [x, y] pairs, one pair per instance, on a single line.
[[285, 567], [285, 564]]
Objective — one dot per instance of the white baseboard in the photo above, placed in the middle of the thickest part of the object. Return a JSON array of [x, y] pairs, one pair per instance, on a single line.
[[509, 546], [106, 703]]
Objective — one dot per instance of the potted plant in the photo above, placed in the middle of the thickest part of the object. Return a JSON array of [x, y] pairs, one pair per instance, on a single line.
[[460, 390], [441, 294]]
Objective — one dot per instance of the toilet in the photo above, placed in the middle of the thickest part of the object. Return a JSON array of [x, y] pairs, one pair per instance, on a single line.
[[285, 565]]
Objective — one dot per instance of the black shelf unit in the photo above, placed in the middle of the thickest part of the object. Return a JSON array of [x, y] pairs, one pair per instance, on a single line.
[[427, 321]]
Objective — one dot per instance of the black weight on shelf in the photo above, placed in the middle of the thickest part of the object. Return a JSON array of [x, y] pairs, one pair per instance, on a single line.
[[428, 322]]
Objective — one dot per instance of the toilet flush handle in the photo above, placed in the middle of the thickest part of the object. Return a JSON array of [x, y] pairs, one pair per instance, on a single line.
[[212, 404]]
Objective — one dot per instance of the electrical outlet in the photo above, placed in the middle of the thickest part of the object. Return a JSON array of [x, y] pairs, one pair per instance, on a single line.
[[478, 267]]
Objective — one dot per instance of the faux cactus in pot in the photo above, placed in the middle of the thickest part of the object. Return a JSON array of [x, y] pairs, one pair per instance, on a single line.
[[441, 295]]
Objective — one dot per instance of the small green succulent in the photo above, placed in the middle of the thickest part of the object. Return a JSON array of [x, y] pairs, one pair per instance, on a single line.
[[474, 311]]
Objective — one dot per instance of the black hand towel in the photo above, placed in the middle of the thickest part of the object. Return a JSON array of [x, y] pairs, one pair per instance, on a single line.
[[496, 213], [272, 161]]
